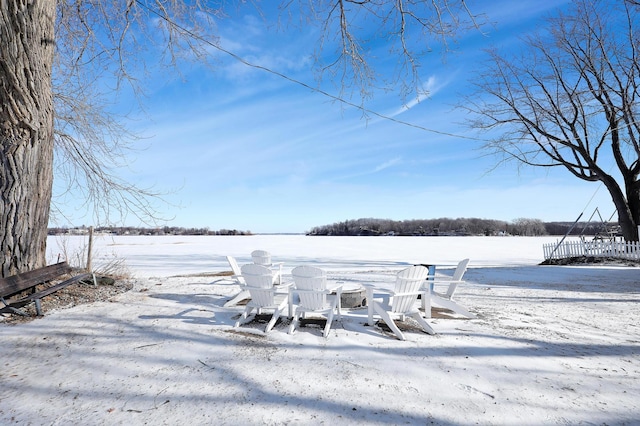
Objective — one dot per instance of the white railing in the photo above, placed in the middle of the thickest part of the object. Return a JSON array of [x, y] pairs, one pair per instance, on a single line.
[[595, 248]]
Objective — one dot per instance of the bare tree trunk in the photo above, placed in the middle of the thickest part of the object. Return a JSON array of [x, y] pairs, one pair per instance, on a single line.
[[26, 131], [632, 219], [626, 218]]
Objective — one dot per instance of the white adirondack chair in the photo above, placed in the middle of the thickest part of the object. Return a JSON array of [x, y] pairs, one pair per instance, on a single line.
[[445, 299], [402, 301], [262, 257], [232, 279], [264, 296], [239, 279], [314, 296]]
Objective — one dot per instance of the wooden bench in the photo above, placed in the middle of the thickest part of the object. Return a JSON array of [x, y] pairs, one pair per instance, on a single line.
[[19, 290]]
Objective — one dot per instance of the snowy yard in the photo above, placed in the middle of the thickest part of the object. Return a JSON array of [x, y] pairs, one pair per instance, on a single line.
[[551, 345]]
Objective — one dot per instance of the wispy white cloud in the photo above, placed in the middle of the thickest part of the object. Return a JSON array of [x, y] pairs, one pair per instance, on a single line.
[[389, 163], [429, 90]]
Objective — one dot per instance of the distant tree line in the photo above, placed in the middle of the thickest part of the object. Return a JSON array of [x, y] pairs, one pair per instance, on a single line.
[[460, 226], [372, 227], [132, 230]]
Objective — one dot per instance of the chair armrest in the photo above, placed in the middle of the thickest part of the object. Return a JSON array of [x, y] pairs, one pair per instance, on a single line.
[[385, 297], [445, 280], [284, 286], [297, 290], [335, 289]]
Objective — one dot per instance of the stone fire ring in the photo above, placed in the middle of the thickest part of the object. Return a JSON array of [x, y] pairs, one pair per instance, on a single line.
[[353, 296]]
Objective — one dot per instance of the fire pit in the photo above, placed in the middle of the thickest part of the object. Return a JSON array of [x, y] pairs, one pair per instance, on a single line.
[[353, 296]]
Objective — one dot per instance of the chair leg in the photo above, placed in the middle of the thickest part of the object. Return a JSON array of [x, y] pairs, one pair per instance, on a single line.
[[294, 323], [453, 306], [425, 325], [273, 319], [462, 311], [244, 294], [244, 316], [387, 319], [426, 303], [327, 326], [369, 305]]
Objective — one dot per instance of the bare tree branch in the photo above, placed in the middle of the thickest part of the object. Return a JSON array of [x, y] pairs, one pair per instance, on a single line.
[[352, 30], [570, 100]]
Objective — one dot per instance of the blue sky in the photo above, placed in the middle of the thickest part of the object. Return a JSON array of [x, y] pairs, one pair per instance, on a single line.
[[239, 148]]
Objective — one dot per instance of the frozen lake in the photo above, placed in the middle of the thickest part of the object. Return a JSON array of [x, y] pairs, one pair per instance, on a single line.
[[146, 256]]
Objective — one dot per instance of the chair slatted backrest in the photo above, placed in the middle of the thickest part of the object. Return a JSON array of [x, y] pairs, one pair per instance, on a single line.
[[237, 272], [313, 283], [259, 281], [408, 286], [457, 277], [261, 257]]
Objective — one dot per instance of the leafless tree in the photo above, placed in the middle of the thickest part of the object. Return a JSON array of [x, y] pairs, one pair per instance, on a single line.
[[61, 61], [569, 99]]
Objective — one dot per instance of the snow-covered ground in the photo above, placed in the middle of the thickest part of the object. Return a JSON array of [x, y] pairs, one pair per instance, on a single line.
[[551, 345]]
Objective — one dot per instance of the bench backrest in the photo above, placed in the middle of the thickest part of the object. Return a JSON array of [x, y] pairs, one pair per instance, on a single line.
[[21, 282]]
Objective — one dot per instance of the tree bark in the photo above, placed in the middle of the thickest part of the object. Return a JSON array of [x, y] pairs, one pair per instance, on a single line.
[[26, 131], [626, 218]]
